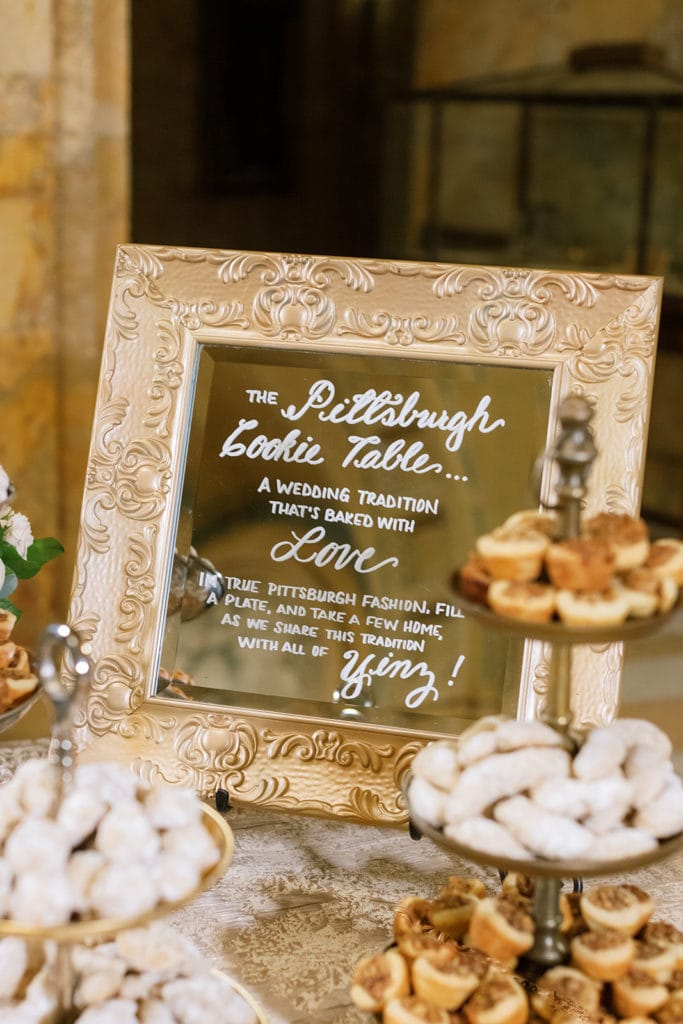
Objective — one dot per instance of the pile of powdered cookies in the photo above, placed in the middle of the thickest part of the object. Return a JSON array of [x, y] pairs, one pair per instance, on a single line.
[[512, 790], [17, 680], [454, 960], [144, 976], [110, 848], [610, 573]]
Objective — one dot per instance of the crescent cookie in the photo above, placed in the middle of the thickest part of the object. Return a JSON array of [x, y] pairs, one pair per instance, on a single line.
[[623, 842], [501, 775], [607, 798], [601, 754], [553, 836], [664, 816], [427, 801], [437, 764], [515, 734], [481, 833], [639, 730]]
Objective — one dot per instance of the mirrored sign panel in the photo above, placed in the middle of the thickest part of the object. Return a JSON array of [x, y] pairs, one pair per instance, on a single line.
[[290, 457], [328, 499]]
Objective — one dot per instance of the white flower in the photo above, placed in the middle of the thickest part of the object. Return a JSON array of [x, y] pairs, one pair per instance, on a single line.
[[19, 533], [5, 486]]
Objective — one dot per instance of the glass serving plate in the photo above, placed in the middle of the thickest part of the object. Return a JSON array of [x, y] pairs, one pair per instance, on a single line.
[[96, 928]]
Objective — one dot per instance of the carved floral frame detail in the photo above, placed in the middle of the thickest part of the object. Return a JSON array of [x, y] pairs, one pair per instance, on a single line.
[[597, 333]]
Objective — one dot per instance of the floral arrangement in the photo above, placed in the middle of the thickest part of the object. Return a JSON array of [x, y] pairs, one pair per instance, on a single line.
[[21, 555]]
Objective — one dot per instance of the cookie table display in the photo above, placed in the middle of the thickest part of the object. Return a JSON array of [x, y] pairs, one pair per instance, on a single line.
[[539, 797], [88, 851]]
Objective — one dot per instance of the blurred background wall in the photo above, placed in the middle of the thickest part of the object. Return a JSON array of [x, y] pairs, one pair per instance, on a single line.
[[299, 125]]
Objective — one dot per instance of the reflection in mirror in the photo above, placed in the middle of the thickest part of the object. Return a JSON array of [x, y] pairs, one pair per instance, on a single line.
[[327, 499]]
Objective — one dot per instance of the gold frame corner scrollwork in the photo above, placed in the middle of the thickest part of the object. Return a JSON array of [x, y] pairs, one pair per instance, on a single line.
[[597, 332]]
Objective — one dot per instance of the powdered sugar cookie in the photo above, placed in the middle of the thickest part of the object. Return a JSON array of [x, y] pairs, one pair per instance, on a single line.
[[605, 801], [427, 801], [649, 773], [601, 754], [635, 731], [36, 844], [41, 897], [155, 1011], [123, 890], [501, 775], [664, 816], [6, 879], [515, 734], [10, 809], [110, 782], [172, 807], [193, 843], [437, 764], [476, 747], [174, 878], [79, 814], [95, 986], [81, 870], [158, 948], [114, 1011], [36, 785], [126, 833], [553, 836], [13, 964], [489, 836], [620, 843]]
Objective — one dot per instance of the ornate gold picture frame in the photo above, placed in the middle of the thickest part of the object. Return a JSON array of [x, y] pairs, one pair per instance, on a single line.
[[361, 421]]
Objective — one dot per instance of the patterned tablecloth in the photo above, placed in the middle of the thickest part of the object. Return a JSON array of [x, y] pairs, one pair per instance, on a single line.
[[305, 898]]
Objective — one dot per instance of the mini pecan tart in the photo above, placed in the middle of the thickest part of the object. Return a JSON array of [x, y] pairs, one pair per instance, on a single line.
[[501, 927], [624, 908], [500, 999], [603, 955], [379, 978], [448, 977]]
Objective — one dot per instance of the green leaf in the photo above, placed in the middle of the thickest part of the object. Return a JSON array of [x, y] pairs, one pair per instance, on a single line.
[[9, 607], [40, 552]]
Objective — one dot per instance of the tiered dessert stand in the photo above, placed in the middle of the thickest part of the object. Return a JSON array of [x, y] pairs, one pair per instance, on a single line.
[[574, 455], [64, 697]]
